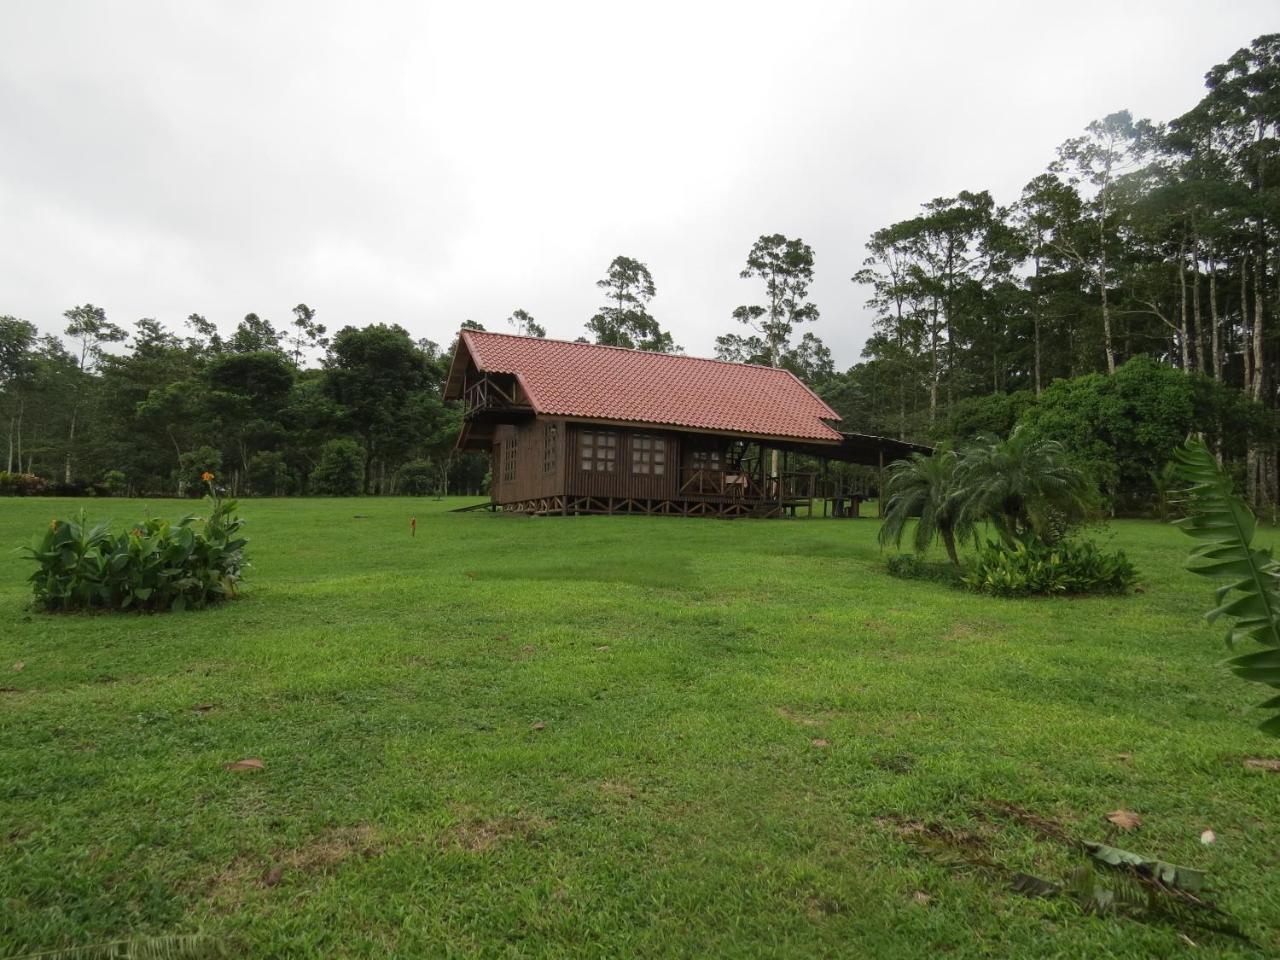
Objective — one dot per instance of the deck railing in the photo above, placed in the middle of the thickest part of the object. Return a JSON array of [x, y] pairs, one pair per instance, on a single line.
[[487, 394], [735, 485]]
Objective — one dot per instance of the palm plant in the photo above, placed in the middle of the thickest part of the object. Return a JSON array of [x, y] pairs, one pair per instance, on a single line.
[[1026, 486], [923, 488]]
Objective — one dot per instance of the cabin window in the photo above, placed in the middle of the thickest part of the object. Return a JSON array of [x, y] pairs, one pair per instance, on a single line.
[[598, 450], [707, 460], [550, 449], [509, 459], [649, 455]]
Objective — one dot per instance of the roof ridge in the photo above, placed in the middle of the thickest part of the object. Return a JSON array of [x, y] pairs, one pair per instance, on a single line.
[[609, 346]]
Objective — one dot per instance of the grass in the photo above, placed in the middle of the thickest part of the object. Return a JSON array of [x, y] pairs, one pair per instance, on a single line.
[[611, 737]]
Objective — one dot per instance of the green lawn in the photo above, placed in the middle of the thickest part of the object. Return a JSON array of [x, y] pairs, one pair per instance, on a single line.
[[611, 737]]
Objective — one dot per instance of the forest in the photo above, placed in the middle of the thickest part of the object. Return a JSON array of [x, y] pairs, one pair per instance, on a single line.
[[1126, 297]]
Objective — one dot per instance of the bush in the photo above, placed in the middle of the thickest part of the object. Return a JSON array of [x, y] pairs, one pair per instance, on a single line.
[[114, 483], [270, 476], [1028, 567], [194, 464], [340, 472], [20, 484], [417, 478], [154, 566]]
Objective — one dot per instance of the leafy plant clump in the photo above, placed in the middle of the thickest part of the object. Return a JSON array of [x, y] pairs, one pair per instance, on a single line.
[[1029, 567], [154, 566]]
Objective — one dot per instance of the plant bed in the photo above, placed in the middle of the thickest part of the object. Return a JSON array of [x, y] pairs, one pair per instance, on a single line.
[[155, 565]]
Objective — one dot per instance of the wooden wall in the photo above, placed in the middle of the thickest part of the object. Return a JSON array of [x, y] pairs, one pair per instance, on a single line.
[[566, 477], [621, 482], [532, 479]]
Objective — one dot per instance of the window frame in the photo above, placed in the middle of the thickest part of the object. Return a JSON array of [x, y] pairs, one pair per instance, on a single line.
[[510, 452], [550, 448], [648, 455], [598, 451]]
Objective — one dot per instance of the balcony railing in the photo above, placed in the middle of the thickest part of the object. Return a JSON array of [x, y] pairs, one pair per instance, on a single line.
[[489, 394]]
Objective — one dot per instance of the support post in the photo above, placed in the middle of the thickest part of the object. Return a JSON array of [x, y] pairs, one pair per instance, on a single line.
[[880, 487]]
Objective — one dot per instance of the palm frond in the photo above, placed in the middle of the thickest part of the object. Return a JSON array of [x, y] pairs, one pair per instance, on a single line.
[[175, 947], [1225, 526]]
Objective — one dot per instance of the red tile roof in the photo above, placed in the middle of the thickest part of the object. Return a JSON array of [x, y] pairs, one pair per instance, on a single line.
[[615, 383]]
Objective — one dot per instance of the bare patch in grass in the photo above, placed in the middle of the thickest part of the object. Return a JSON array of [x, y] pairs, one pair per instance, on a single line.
[[319, 856], [806, 719], [477, 834], [617, 790]]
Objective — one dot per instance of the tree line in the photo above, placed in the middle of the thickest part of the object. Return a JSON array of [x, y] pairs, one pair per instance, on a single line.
[[1142, 238], [278, 411]]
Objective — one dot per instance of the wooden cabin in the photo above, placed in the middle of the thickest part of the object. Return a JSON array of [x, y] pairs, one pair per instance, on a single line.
[[579, 428]]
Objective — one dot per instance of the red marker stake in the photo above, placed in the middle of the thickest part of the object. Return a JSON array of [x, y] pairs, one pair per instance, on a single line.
[[413, 526]]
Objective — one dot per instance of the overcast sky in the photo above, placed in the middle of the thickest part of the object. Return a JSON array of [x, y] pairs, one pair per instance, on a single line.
[[423, 164]]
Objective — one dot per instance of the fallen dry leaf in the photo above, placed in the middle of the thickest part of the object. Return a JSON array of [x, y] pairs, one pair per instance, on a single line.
[[921, 898], [1125, 819], [1208, 837], [819, 742], [1258, 763], [1124, 757], [17, 667], [252, 763], [604, 646], [202, 708], [538, 726], [273, 876]]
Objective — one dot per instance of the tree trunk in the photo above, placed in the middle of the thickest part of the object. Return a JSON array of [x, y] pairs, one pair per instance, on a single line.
[[1213, 318], [71, 442], [1259, 366], [949, 542], [1106, 306], [933, 385], [1182, 308], [1246, 353], [1198, 321], [1035, 325]]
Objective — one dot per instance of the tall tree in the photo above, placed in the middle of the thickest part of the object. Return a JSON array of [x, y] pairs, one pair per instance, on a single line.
[[786, 267], [17, 364], [88, 325], [307, 333], [525, 325], [625, 320], [1108, 149], [254, 333]]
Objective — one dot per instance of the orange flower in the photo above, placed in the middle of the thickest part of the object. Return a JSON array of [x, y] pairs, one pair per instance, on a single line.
[[53, 524], [206, 476]]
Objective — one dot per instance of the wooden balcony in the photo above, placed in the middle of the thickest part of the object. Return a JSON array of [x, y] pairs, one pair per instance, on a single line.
[[491, 396]]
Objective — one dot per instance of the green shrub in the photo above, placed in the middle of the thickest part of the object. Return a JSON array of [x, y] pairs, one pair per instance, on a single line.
[[340, 472], [908, 566], [194, 465], [417, 478], [20, 484], [114, 483], [1028, 567], [155, 565], [270, 476]]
